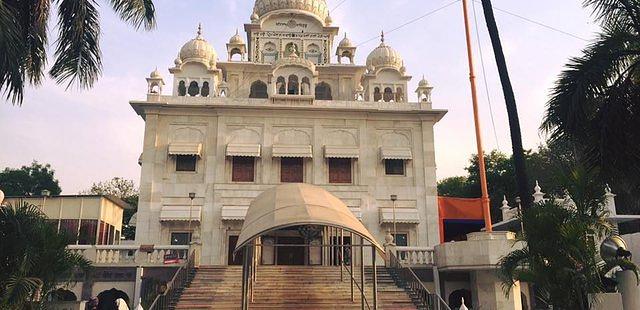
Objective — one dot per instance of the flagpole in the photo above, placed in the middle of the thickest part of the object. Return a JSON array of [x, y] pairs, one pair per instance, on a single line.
[[476, 119]]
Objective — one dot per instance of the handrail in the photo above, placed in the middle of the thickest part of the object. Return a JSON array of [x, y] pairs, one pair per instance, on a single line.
[[413, 283], [179, 280], [363, 292]]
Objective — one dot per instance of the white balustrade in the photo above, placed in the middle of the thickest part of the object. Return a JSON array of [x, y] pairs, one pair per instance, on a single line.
[[415, 256], [127, 255]]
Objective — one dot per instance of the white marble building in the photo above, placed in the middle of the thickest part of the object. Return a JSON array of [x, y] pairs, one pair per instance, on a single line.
[[277, 108]]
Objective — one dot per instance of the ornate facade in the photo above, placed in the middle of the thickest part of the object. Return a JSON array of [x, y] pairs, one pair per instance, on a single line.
[[277, 108]]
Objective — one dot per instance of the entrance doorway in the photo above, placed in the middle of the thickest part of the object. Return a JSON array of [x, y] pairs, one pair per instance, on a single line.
[[290, 255], [237, 258]]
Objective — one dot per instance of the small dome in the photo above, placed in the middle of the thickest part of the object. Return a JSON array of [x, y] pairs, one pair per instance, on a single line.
[[198, 49], [328, 20], [384, 56], [255, 18], [236, 39], [423, 82], [317, 8], [155, 74], [345, 42]]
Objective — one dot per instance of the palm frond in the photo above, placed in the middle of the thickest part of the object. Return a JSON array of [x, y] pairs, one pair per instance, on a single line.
[[618, 13], [78, 58], [139, 13], [11, 55]]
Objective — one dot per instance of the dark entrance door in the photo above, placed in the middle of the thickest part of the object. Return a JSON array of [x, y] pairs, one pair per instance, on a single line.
[[290, 255], [231, 259]]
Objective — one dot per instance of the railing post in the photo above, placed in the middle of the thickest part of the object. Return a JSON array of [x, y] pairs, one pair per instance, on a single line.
[[245, 277], [362, 272], [351, 259], [375, 277], [341, 253]]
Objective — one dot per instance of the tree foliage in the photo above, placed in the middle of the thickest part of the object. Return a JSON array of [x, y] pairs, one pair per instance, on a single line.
[[595, 104], [559, 246], [24, 40], [125, 190], [34, 259], [544, 166], [29, 180]]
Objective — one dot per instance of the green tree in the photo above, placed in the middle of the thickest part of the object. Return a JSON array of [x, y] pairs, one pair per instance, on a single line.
[[24, 40], [29, 180], [34, 259], [125, 190], [559, 246], [595, 104]]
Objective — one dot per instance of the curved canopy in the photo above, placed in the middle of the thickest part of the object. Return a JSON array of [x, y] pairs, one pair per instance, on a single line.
[[298, 204]]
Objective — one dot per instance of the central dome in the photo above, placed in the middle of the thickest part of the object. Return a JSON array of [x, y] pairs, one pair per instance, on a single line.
[[384, 56], [318, 8]]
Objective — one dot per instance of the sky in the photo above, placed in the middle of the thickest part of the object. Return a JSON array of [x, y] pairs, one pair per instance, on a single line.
[[94, 135]]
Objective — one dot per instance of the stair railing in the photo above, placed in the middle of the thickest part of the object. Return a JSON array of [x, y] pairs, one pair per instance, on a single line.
[[177, 284], [354, 281], [405, 276]]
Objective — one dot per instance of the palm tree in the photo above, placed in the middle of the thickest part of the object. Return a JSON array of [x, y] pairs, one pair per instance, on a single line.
[[34, 259], [559, 247], [595, 104], [23, 41], [512, 108]]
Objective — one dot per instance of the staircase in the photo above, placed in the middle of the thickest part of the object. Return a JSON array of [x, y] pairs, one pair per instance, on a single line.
[[289, 287]]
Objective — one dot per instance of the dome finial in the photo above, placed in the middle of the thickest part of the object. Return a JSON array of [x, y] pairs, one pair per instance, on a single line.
[[199, 32], [382, 37]]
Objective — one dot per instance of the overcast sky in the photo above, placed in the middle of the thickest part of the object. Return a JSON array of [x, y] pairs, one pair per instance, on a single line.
[[94, 135]]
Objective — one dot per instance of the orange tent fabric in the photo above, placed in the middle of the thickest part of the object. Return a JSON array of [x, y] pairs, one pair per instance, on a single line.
[[453, 208]]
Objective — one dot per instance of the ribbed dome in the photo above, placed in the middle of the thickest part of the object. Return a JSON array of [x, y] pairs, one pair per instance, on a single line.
[[384, 56], [345, 42], [197, 49], [316, 7], [155, 74], [236, 39], [423, 82]]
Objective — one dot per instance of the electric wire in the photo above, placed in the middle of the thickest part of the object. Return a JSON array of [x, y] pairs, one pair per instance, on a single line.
[[484, 75]]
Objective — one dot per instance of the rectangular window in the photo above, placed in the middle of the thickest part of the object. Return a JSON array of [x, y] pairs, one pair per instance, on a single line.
[[243, 169], [291, 170], [186, 163], [181, 238], [339, 170], [69, 227], [88, 231], [394, 167], [401, 239]]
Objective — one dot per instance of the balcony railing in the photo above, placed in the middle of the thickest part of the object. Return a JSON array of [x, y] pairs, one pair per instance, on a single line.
[[414, 256], [132, 255]]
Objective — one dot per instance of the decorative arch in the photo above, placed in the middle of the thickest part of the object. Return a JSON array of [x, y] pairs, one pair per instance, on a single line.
[[305, 86], [281, 85], [323, 91], [399, 95], [182, 88], [377, 96], [62, 295], [193, 89], [293, 86], [388, 94], [258, 90], [107, 299], [204, 92], [292, 136], [340, 137], [187, 134], [245, 135], [395, 139]]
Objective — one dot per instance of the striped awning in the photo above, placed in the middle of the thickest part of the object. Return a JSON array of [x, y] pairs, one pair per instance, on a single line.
[[183, 148], [245, 150], [180, 213], [234, 213], [341, 151], [282, 150], [395, 153], [403, 215]]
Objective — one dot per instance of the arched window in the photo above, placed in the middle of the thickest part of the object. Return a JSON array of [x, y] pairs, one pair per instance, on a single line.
[[281, 86], [193, 90], [155, 88], [455, 299], [293, 87], [323, 91], [258, 90], [204, 92], [388, 94], [182, 89], [269, 53], [305, 86], [235, 54], [399, 95], [291, 49], [377, 96]]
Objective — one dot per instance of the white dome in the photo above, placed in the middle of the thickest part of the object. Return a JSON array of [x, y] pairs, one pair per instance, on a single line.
[[423, 82], [155, 74], [318, 8], [384, 56], [345, 42], [198, 49], [236, 39]]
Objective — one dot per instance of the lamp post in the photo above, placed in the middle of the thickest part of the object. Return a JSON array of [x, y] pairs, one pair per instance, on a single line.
[[191, 197], [45, 193], [395, 231]]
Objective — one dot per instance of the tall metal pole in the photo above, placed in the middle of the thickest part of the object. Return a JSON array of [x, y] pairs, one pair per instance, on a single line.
[[245, 278], [375, 277], [476, 119], [362, 272], [341, 253], [395, 230], [351, 258], [191, 197]]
